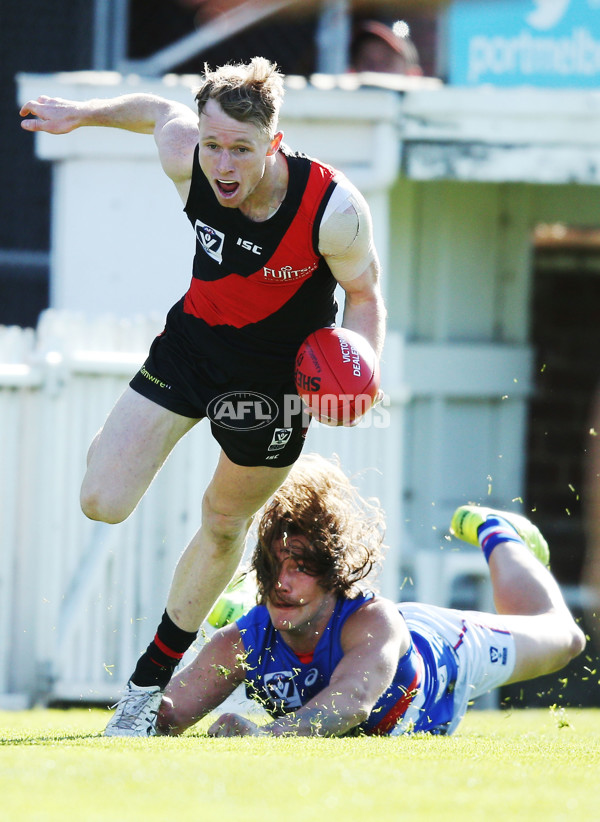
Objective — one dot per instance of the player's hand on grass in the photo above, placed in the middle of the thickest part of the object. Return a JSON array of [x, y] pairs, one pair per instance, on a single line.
[[233, 725]]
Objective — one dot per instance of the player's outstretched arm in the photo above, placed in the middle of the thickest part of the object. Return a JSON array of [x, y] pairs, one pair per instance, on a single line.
[[142, 113], [205, 683], [174, 125], [373, 640]]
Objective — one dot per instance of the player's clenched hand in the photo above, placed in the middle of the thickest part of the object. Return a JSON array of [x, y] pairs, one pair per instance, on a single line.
[[51, 114], [233, 725], [379, 397]]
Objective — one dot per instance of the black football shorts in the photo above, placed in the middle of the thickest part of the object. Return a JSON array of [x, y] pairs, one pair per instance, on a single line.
[[255, 420]]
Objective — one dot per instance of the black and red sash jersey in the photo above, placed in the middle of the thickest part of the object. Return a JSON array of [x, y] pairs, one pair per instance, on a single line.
[[258, 288]]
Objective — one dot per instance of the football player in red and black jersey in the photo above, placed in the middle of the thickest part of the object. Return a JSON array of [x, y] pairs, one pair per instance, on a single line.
[[275, 233]]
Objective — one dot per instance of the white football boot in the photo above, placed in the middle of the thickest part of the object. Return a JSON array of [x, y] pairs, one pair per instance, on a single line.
[[136, 712]]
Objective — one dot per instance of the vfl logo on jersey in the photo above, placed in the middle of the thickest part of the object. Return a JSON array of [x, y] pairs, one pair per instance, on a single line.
[[281, 437], [211, 240], [281, 689], [286, 274], [498, 655]]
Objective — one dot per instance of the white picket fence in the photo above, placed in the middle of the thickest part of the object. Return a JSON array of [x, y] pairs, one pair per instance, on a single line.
[[79, 600]]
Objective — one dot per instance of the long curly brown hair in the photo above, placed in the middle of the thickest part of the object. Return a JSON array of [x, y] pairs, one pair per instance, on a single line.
[[344, 530]]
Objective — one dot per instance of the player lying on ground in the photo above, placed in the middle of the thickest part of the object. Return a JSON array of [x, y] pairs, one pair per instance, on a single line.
[[325, 657]]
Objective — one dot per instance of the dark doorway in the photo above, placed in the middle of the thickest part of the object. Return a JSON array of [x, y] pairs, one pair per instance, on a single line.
[[565, 335]]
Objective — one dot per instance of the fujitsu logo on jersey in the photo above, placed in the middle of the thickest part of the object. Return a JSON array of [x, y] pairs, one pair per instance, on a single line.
[[287, 274]]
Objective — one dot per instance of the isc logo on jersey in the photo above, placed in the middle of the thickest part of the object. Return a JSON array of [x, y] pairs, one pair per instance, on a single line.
[[211, 240]]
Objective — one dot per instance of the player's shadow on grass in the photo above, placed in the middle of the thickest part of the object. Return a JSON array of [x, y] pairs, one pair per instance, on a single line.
[[47, 738]]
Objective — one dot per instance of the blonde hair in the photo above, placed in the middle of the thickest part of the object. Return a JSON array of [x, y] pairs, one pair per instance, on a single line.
[[345, 530], [249, 92]]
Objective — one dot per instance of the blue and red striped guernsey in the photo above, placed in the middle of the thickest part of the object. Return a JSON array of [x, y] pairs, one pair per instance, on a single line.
[[397, 711], [282, 681]]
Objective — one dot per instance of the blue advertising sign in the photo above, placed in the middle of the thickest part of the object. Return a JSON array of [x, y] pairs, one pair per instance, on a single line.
[[551, 43]]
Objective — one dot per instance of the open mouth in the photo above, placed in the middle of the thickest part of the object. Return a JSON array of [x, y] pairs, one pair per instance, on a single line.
[[227, 188]]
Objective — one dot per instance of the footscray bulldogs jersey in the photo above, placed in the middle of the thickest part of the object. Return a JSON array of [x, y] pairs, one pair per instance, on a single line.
[[420, 697], [258, 288]]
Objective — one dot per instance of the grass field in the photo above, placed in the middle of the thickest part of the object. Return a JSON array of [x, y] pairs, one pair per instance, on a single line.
[[511, 765]]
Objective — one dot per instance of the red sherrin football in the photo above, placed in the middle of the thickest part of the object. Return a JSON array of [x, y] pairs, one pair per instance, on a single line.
[[337, 375]]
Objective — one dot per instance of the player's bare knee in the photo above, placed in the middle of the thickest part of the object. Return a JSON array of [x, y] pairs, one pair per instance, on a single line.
[[573, 642], [100, 510]]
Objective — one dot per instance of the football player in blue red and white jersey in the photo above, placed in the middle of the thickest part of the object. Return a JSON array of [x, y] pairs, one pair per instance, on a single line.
[[325, 656]]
